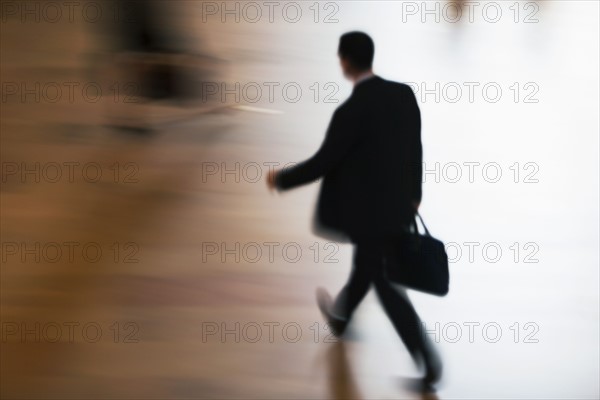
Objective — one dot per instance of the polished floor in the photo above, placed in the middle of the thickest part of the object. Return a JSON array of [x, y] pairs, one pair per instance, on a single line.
[[156, 265]]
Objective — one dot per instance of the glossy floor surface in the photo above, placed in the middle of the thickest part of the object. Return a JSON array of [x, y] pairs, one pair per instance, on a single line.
[[156, 265]]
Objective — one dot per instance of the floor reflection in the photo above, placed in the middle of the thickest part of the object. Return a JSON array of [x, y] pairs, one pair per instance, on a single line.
[[341, 380]]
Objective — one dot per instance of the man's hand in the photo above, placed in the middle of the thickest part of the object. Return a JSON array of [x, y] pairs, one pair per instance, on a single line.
[[271, 179], [416, 205]]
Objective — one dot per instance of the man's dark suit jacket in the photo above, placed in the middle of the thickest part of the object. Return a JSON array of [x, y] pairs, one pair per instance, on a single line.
[[370, 161]]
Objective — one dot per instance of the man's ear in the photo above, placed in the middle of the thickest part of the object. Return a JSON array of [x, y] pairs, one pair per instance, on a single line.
[[345, 64]]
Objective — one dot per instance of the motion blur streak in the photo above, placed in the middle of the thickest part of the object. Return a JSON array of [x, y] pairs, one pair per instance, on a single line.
[[143, 257]]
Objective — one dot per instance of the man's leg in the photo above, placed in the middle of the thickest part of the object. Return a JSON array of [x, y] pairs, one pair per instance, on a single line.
[[407, 323], [338, 312], [357, 286]]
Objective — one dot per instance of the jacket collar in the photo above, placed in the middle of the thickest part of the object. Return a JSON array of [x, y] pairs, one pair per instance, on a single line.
[[361, 83], [363, 77]]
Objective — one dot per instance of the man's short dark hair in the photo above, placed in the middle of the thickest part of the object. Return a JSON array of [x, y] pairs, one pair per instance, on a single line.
[[358, 48]]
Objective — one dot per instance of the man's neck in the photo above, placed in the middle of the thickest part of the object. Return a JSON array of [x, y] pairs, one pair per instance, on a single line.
[[363, 76]]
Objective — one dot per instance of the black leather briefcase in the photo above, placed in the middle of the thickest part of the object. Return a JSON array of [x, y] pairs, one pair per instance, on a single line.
[[418, 261]]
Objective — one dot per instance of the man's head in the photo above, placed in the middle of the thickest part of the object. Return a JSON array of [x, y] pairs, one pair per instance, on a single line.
[[356, 51]]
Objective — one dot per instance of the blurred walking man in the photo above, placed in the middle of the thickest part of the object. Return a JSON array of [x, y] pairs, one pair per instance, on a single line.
[[371, 165]]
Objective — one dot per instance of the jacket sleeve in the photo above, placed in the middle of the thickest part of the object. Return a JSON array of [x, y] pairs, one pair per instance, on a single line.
[[341, 135], [415, 151]]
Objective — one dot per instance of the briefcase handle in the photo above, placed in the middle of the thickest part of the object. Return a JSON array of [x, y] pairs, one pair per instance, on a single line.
[[422, 223]]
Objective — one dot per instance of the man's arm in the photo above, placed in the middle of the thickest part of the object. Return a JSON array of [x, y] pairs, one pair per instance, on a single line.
[[415, 151], [341, 135]]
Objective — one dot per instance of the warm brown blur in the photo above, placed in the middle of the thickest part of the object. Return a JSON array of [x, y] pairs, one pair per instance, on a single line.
[[144, 257]]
